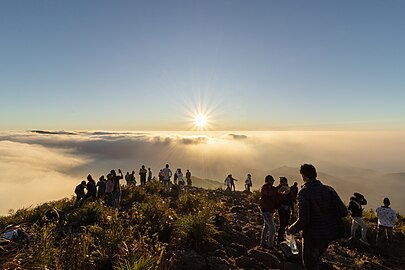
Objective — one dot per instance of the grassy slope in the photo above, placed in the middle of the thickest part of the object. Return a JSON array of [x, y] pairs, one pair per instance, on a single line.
[[155, 230]]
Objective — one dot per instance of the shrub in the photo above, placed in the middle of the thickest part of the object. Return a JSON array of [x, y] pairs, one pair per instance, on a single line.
[[189, 203], [195, 228]]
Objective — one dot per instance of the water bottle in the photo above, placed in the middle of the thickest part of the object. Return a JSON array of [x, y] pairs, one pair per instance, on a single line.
[[292, 244]]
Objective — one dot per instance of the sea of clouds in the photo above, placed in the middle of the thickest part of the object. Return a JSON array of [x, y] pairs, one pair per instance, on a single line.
[[38, 166]]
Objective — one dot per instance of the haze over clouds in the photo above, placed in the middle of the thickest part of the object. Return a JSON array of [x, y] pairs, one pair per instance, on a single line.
[[39, 166]]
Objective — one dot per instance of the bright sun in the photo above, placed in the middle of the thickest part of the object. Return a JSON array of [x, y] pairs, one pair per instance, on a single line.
[[200, 121]]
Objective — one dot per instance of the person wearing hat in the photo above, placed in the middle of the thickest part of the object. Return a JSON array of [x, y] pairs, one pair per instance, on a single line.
[[386, 220], [356, 209], [80, 193], [248, 183], [268, 204]]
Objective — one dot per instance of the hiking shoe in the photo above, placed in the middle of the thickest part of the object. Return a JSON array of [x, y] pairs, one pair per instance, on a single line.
[[364, 242]]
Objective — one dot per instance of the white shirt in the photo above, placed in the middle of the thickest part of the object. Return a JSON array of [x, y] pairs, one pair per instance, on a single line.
[[167, 173], [180, 177], [386, 216], [228, 181]]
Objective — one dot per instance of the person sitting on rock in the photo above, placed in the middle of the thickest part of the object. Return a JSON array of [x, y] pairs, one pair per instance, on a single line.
[[386, 219], [356, 209], [268, 204]]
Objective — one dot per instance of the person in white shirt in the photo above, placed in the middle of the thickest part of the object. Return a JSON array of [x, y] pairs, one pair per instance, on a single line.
[[386, 220], [180, 177], [167, 174]]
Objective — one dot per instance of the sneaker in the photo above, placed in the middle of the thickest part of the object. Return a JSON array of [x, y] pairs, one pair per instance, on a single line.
[[364, 242]]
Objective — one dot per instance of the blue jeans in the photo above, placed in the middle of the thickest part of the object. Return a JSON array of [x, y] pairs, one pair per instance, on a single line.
[[269, 230]]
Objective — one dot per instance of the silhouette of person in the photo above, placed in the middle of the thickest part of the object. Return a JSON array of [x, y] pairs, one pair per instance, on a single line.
[[188, 177], [320, 212], [294, 193], [109, 189], [228, 182], [101, 187], [149, 175], [117, 188], [233, 182], [248, 183], [167, 174], [91, 190], [284, 207], [128, 178], [142, 173], [80, 193], [268, 204]]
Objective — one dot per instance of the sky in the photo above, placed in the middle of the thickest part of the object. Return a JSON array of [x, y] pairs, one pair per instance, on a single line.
[[246, 65]]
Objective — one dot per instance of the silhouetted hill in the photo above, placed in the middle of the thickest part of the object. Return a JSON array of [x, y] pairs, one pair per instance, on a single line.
[[205, 183]]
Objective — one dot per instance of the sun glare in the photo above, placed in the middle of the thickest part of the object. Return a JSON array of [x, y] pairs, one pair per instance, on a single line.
[[200, 121]]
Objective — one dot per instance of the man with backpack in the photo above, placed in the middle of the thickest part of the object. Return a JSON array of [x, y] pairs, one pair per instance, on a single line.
[[320, 213]]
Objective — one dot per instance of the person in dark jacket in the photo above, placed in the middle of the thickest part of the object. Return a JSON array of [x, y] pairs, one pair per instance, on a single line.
[[320, 212], [101, 187], [284, 208], [142, 173], [356, 209], [268, 204], [80, 193], [294, 193], [91, 190]]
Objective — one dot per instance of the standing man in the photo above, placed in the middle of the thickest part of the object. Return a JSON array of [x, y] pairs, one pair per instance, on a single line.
[[284, 207], [149, 175], [294, 193], [167, 174], [248, 183], [117, 188], [188, 177], [320, 212], [268, 204], [386, 220], [142, 174]]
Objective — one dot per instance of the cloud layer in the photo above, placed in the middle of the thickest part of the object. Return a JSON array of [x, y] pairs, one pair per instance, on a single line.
[[39, 165]]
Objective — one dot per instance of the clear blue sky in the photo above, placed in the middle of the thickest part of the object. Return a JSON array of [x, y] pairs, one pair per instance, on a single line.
[[257, 65]]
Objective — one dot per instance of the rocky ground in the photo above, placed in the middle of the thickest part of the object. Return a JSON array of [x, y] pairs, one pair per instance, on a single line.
[[237, 244]]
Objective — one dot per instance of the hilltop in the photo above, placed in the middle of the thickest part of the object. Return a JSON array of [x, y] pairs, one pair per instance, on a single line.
[[196, 229]]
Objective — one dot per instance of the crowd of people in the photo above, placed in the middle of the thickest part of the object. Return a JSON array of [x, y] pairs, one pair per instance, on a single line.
[[320, 212], [315, 209], [109, 189]]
